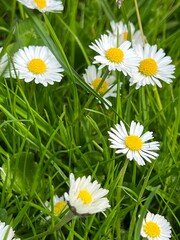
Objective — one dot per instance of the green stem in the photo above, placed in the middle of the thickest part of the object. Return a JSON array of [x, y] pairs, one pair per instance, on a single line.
[[158, 100], [68, 217], [121, 178], [134, 216], [139, 20]]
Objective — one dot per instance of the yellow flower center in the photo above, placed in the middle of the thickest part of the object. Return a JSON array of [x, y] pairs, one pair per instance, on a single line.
[[152, 229], [40, 3], [37, 66], [125, 35], [85, 196], [133, 142], [115, 55], [58, 207], [104, 85], [148, 67]]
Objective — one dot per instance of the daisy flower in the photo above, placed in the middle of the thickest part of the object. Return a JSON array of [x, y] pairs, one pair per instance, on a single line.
[[153, 66], [37, 63], [93, 77], [134, 144], [115, 56], [43, 5], [3, 64], [59, 205], [6, 232], [121, 34], [86, 197], [155, 227]]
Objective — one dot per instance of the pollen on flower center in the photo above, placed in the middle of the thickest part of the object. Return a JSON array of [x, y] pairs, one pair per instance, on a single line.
[[148, 67], [40, 3], [37, 66], [152, 229], [103, 88], [85, 196], [115, 55], [133, 142], [58, 207]]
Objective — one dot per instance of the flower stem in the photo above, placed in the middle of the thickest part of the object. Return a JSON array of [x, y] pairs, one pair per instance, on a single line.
[[121, 178], [68, 217], [139, 20], [158, 100]]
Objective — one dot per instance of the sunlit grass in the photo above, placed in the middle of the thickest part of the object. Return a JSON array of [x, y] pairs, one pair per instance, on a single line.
[[48, 133]]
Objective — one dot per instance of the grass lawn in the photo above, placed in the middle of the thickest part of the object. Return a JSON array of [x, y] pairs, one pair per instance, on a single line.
[[71, 82]]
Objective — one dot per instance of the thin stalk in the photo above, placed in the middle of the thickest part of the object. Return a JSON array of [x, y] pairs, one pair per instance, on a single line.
[[134, 216], [68, 217], [119, 191], [139, 20]]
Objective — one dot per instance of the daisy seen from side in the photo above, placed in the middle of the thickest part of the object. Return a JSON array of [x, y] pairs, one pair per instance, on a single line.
[[57, 206], [153, 67], [86, 197], [37, 63], [3, 64], [43, 5], [155, 227], [106, 89], [115, 56], [121, 33], [134, 144]]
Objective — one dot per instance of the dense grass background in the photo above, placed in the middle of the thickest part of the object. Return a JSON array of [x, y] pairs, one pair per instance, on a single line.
[[47, 133]]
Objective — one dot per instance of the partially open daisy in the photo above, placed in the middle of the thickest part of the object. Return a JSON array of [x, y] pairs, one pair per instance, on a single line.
[[37, 63], [134, 144], [43, 5], [153, 67], [121, 33], [155, 227], [93, 77], [115, 56], [86, 197], [57, 206], [6, 232]]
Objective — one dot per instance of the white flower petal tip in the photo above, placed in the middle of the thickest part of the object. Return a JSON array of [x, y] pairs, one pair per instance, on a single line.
[[155, 227], [134, 144], [6, 232], [119, 57], [108, 88], [86, 197], [153, 68], [37, 63], [43, 5]]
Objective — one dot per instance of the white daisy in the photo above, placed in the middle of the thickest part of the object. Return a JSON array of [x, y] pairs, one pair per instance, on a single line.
[[85, 197], [153, 66], [155, 227], [121, 34], [43, 5], [37, 63], [116, 57], [93, 77], [3, 64], [57, 207], [6, 232], [134, 144]]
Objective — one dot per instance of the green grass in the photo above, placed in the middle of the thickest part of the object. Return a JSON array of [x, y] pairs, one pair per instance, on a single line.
[[47, 133]]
